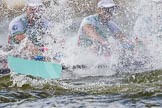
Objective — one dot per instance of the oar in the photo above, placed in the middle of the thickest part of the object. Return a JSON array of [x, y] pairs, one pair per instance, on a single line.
[[45, 70]]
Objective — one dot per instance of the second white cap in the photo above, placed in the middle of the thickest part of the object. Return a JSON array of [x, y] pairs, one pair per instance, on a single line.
[[105, 3]]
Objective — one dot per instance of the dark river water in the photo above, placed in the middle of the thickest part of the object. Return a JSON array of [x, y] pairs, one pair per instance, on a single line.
[[140, 90]]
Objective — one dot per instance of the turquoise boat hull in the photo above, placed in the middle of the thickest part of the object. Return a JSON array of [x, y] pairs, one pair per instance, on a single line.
[[41, 69]]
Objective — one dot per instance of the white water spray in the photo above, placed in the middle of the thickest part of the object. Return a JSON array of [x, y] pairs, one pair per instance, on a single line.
[[148, 28]]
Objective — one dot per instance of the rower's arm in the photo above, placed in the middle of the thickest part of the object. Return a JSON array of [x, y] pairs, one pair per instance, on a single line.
[[91, 32]]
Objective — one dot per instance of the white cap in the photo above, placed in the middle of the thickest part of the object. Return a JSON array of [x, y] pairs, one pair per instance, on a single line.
[[105, 3], [34, 2]]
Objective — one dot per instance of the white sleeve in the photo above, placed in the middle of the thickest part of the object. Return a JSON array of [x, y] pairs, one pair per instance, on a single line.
[[15, 28], [113, 27]]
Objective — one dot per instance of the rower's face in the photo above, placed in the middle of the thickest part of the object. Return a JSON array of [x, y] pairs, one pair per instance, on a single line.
[[32, 12], [107, 13]]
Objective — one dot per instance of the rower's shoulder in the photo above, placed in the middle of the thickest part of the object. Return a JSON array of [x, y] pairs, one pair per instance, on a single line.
[[18, 18]]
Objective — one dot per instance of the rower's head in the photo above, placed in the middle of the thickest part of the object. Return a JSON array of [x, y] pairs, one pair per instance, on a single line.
[[105, 9], [34, 8]]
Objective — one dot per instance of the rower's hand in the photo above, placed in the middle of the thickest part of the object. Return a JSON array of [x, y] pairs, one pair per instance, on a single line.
[[105, 45], [38, 58]]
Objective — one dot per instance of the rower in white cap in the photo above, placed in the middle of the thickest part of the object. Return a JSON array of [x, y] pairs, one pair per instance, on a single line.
[[30, 24], [96, 29]]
